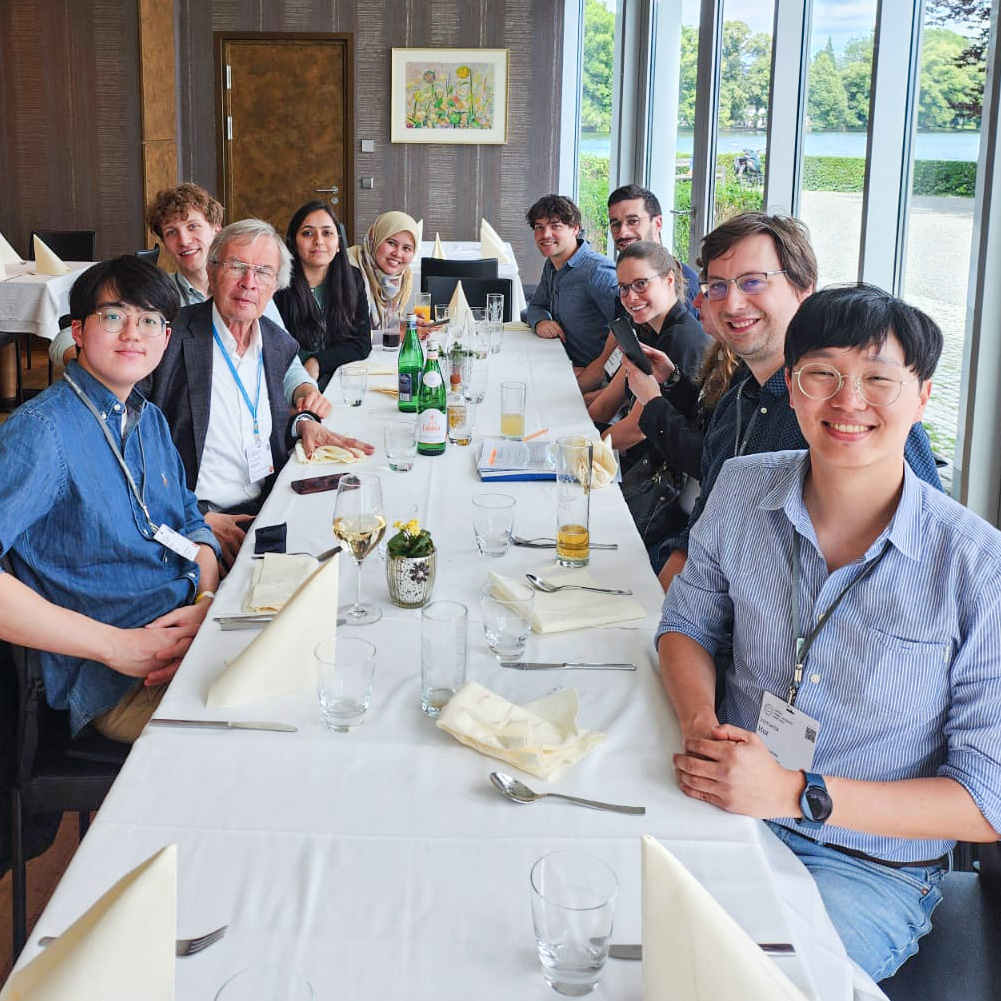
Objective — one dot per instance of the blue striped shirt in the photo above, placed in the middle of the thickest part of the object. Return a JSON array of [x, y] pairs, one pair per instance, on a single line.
[[905, 679]]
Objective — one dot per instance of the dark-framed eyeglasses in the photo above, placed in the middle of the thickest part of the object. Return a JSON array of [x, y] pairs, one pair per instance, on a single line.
[[263, 275], [114, 319], [639, 286], [877, 387], [750, 284]]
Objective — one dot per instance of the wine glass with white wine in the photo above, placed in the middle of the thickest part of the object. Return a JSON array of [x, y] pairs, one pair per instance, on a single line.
[[359, 524]]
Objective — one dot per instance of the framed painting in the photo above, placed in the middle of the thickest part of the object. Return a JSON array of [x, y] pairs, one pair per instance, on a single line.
[[449, 96]]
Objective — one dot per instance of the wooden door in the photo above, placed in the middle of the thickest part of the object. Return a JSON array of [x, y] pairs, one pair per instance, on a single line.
[[286, 130]]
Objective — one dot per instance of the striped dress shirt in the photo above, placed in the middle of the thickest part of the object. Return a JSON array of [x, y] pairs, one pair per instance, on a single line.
[[905, 679]]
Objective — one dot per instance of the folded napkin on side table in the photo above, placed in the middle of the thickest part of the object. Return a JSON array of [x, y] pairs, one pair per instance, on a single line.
[[540, 738], [438, 251]]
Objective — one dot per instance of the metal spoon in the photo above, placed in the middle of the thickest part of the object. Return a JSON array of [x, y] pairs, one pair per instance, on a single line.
[[518, 792], [542, 585]]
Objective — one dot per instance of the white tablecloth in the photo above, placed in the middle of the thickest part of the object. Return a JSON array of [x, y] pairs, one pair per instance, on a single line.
[[469, 250], [381, 863], [31, 303]]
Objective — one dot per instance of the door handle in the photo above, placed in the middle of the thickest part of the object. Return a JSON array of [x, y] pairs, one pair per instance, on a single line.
[[328, 191]]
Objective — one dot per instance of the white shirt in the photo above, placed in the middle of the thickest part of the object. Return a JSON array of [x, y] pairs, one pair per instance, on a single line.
[[223, 477]]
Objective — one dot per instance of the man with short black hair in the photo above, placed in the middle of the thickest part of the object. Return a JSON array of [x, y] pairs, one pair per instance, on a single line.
[[864, 607], [114, 567], [575, 298]]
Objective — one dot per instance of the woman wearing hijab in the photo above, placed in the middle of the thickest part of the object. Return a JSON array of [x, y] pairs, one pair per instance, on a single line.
[[383, 258], [324, 307]]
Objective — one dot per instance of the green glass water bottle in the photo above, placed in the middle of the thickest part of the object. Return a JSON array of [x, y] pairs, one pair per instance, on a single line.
[[432, 423], [410, 364]]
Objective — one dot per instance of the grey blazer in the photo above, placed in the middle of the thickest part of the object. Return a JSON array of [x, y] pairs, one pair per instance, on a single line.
[[181, 385]]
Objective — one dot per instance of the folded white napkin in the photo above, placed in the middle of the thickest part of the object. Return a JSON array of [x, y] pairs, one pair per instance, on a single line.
[[279, 660], [692, 948], [8, 255], [491, 245], [438, 252], [458, 308], [540, 738], [329, 453], [46, 262], [420, 232], [275, 578], [119, 950], [603, 463], [562, 611]]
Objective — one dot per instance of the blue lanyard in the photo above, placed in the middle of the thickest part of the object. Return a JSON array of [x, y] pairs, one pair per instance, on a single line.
[[252, 407]]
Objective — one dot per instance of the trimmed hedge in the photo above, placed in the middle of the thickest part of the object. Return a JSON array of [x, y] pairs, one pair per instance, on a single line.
[[931, 177]]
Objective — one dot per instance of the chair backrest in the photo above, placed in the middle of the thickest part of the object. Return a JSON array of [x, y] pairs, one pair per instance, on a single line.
[[152, 255], [433, 267], [476, 291], [69, 244]]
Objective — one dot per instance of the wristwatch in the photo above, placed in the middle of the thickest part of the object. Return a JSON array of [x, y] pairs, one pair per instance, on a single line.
[[815, 801]]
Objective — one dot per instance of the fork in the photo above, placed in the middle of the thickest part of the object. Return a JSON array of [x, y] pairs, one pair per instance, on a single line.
[[183, 946], [546, 543]]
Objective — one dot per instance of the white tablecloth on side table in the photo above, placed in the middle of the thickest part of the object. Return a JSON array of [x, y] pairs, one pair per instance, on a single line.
[[32, 303]]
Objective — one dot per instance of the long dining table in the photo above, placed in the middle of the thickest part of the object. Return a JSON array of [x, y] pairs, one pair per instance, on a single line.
[[381, 863]]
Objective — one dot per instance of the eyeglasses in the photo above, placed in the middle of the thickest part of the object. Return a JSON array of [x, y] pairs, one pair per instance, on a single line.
[[114, 320], [878, 388], [263, 275], [639, 286], [750, 284], [632, 221]]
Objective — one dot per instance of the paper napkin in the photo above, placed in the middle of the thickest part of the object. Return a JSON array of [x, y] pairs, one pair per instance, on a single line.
[[692, 948], [46, 262], [603, 463], [541, 738], [329, 453], [420, 233], [491, 245], [275, 578], [279, 660], [8, 255], [119, 950], [562, 611], [438, 253], [458, 308]]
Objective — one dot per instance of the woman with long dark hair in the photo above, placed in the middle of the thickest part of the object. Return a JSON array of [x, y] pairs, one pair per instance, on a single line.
[[325, 307]]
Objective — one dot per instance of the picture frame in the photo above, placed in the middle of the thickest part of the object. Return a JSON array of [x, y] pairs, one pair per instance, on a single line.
[[449, 96]]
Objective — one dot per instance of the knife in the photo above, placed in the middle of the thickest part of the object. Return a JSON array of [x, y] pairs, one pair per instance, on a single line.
[[249, 620], [221, 724], [632, 951], [524, 665]]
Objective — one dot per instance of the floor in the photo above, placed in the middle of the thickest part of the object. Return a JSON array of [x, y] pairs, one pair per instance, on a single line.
[[37, 377]]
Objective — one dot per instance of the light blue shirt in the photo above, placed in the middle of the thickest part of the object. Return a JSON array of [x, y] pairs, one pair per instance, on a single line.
[[905, 679]]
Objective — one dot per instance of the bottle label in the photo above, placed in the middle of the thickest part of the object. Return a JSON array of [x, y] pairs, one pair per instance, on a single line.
[[432, 379], [431, 427], [406, 387]]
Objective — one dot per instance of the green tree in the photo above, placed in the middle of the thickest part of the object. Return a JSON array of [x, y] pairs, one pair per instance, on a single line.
[[733, 99], [948, 88], [827, 101], [975, 15], [689, 68], [855, 67], [758, 74], [599, 52]]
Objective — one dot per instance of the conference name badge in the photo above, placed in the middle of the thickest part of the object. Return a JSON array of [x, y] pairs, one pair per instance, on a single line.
[[788, 732], [259, 461], [176, 542]]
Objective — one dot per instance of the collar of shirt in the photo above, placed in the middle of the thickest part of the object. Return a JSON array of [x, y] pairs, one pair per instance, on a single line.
[[190, 294], [580, 254], [102, 397], [229, 341]]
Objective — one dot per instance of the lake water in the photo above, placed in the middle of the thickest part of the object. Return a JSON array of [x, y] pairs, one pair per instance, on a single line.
[[928, 145]]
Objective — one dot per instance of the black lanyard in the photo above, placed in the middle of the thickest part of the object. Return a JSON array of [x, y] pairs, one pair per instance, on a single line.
[[740, 441], [803, 643]]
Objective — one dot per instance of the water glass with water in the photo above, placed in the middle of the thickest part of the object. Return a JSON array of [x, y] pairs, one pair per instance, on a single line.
[[507, 617], [443, 653], [493, 523], [345, 667]]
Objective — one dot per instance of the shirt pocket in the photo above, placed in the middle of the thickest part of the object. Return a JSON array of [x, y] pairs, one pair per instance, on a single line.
[[907, 679]]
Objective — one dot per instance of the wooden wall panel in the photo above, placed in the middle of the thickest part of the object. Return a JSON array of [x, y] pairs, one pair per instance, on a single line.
[[451, 187], [157, 67], [70, 121]]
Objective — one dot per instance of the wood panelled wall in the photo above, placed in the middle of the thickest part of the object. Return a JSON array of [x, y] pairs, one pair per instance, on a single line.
[[451, 187], [70, 139]]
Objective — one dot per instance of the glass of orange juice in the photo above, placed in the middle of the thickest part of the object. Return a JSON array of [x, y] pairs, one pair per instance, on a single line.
[[513, 410], [422, 306]]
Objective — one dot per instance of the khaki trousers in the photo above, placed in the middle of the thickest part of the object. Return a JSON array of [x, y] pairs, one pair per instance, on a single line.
[[124, 722]]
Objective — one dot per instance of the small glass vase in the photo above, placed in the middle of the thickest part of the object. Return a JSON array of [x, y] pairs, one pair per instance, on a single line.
[[411, 579]]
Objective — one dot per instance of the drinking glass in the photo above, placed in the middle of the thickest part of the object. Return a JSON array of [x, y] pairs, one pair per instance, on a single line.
[[266, 983], [513, 410], [391, 330], [474, 365], [495, 307], [573, 902], [574, 456], [344, 669], [507, 617], [461, 419], [354, 381], [495, 321], [441, 312], [443, 653], [359, 523], [493, 522], [401, 445], [422, 306]]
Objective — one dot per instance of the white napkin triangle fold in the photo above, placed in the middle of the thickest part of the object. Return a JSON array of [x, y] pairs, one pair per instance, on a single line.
[[458, 308], [119, 950], [279, 660], [692, 948], [47, 262], [420, 232], [438, 253], [8, 255], [491, 245]]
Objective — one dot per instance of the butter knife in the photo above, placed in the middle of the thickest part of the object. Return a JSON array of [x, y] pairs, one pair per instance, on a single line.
[[249, 620], [525, 665], [633, 951], [221, 724]]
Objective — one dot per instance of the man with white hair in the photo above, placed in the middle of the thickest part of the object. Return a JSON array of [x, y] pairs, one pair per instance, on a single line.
[[224, 384]]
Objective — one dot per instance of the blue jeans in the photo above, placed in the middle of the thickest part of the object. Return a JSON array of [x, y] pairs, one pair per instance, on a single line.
[[879, 912]]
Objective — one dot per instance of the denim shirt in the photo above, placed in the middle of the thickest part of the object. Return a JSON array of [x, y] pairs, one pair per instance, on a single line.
[[75, 534]]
